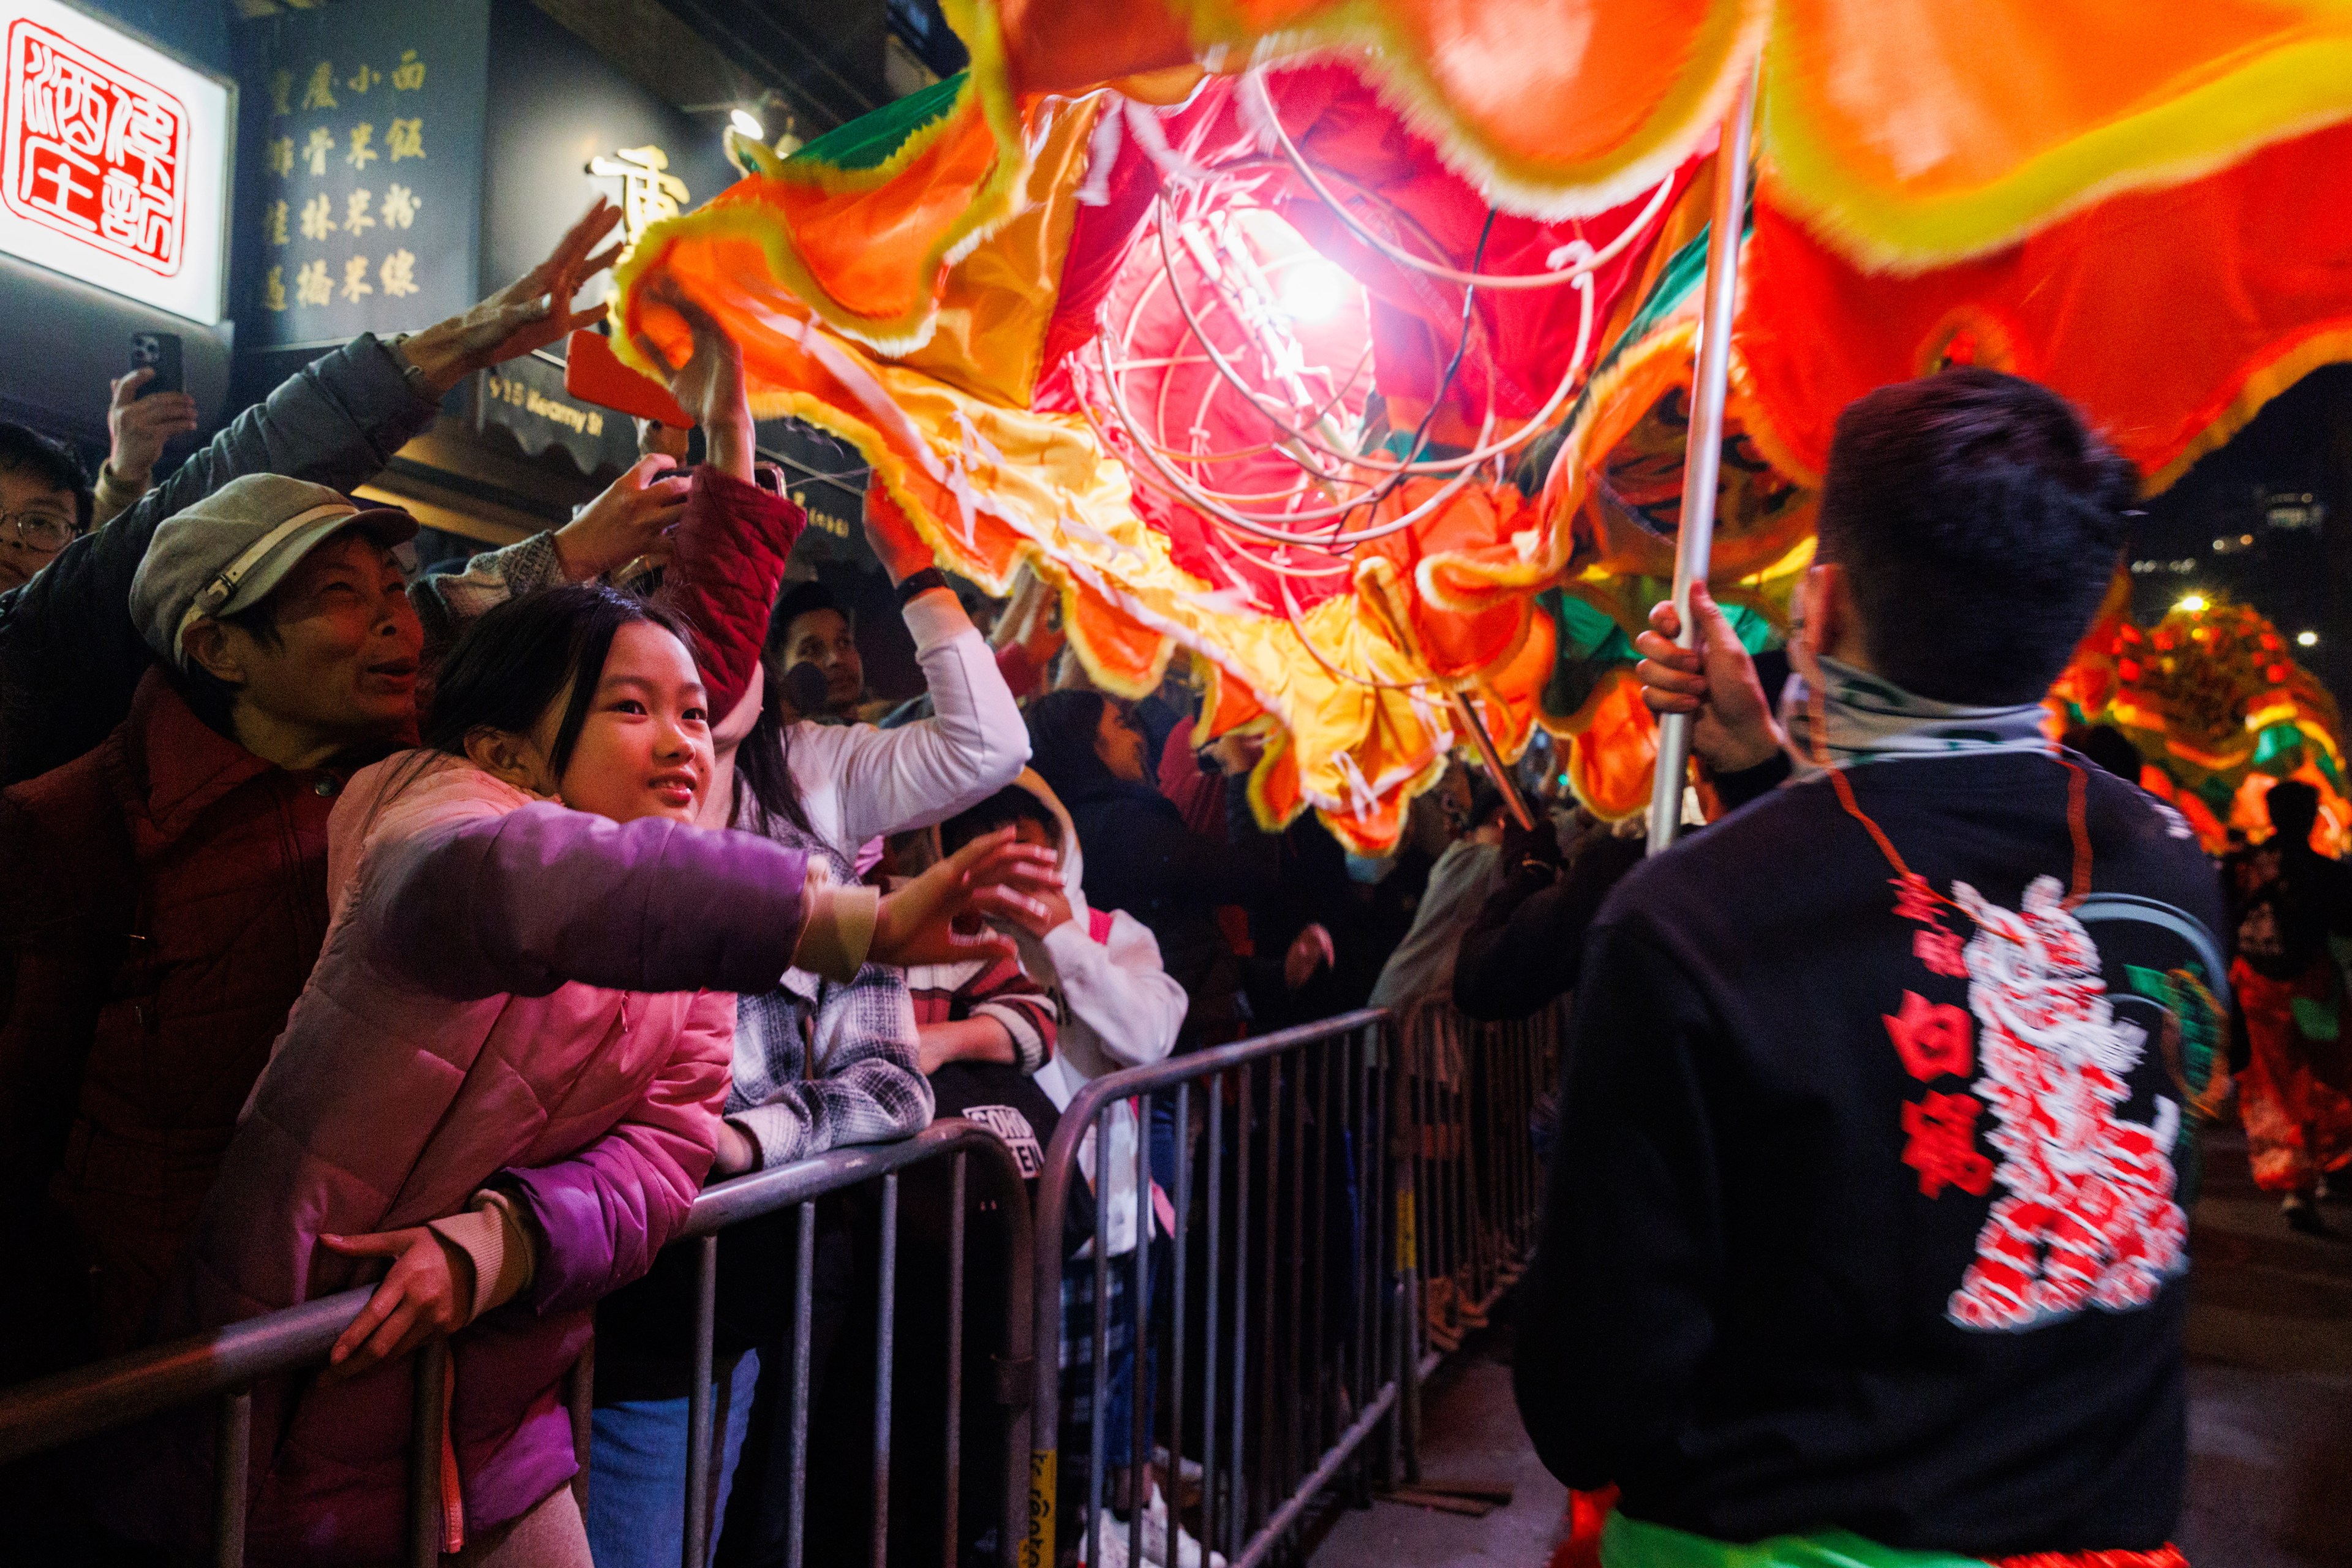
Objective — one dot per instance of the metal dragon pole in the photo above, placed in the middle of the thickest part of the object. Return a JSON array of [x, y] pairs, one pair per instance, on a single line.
[[1702, 458]]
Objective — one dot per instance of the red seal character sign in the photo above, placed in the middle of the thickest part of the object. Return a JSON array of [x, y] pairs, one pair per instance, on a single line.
[[92, 151]]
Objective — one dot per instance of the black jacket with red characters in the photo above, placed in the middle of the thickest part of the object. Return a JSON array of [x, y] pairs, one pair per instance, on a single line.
[[1861, 1213]]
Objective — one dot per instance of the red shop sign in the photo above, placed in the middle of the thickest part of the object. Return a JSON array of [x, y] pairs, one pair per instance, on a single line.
[[92, 151]]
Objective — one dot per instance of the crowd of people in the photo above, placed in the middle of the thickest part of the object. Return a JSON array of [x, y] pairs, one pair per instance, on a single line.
[[451, 933], [448, 935]]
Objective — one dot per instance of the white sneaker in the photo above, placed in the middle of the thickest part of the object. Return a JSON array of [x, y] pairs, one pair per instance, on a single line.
[[1156, 1525]]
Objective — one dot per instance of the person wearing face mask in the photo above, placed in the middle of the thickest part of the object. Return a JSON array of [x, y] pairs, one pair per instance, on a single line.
[[810, 627], [1864, 1239], [505, 1076]]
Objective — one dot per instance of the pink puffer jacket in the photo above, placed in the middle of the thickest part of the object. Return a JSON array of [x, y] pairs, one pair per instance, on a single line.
[[509, 990]]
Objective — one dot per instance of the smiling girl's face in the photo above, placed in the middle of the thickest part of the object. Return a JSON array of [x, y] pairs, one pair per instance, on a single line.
[[645, 750]]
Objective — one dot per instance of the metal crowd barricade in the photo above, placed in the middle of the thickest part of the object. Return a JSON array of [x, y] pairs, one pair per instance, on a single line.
[[59, 1411], [1285, 1343], [1470, 1097]]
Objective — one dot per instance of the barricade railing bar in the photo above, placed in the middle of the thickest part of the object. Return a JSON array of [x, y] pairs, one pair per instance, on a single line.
[[1290, 1333], [1471, 1096], [71, 1407], [1331, 1207]]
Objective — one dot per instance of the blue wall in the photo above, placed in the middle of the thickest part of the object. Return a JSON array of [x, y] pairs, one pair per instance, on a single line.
[[196, 28]]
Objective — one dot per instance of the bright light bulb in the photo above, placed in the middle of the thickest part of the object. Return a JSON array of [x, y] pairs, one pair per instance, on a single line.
[[747, 123], [2307, 639], [2194, 603], [1313, 289]]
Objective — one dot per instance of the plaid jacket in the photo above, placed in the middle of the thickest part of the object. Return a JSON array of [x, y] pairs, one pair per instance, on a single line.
[[819, 1064]]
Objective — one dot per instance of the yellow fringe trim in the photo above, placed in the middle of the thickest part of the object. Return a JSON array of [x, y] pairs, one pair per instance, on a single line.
[[1731, 35], [2320, 346], [892, 468], [749, 220]]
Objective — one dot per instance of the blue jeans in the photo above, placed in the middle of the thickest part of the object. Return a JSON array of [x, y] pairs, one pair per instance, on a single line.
[[636, 1470]]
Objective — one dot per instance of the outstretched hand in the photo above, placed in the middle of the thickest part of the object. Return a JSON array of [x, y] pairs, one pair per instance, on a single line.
[[931, 919], [891, 535], [710, 384], [425, 1293], [529, 313], [1714, 679]]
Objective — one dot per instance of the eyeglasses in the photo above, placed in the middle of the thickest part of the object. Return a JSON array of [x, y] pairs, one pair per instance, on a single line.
[[39, 530]]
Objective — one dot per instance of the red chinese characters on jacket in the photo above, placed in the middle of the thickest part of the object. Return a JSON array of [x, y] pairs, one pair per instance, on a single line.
[[2086, 1217], [92, 151]]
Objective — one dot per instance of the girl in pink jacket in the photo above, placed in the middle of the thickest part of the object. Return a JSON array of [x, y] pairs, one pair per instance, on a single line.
[[505, 1074]]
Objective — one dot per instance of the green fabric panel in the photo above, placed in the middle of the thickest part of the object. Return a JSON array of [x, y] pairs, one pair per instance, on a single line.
[[1677, 280], [1585, 632], [871, 138], [2276, 740], [2217, 794], [1630, 1544], [2317, 1020], [1753, 627], [1589, 643], [1682, 272]]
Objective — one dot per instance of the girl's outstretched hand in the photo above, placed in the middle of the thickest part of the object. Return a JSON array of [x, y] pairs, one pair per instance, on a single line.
[[425, 1293], [936, 918]]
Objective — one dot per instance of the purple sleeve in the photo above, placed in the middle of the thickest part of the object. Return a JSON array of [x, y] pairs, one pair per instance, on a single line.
[[527, 901], [603, 1213]]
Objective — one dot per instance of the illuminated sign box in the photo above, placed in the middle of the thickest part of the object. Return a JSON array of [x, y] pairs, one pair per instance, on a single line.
[[114, 161]]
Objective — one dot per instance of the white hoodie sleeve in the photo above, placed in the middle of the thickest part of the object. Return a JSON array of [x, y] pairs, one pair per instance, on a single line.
[[886, 781], [1117, 988]]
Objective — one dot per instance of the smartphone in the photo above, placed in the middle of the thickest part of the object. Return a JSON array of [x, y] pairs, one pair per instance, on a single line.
[[158, 351]]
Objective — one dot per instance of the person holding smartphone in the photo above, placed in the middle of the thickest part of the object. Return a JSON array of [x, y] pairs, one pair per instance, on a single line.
[[46, 499], [69, 657], [146, 407]]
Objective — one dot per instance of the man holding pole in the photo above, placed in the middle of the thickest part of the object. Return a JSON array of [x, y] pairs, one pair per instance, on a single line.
[[1863, 1242]]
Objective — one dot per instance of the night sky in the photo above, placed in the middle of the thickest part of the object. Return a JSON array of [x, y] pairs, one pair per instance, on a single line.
[[2300, 444]]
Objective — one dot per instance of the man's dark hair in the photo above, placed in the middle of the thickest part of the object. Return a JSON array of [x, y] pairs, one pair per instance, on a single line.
[[799, 599], [1980, 523], [1007, 806], [1485, 801], [54, 463], [2294, 809]]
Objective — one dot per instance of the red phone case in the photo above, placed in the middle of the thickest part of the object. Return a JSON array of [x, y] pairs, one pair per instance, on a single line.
[[594, 373]]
